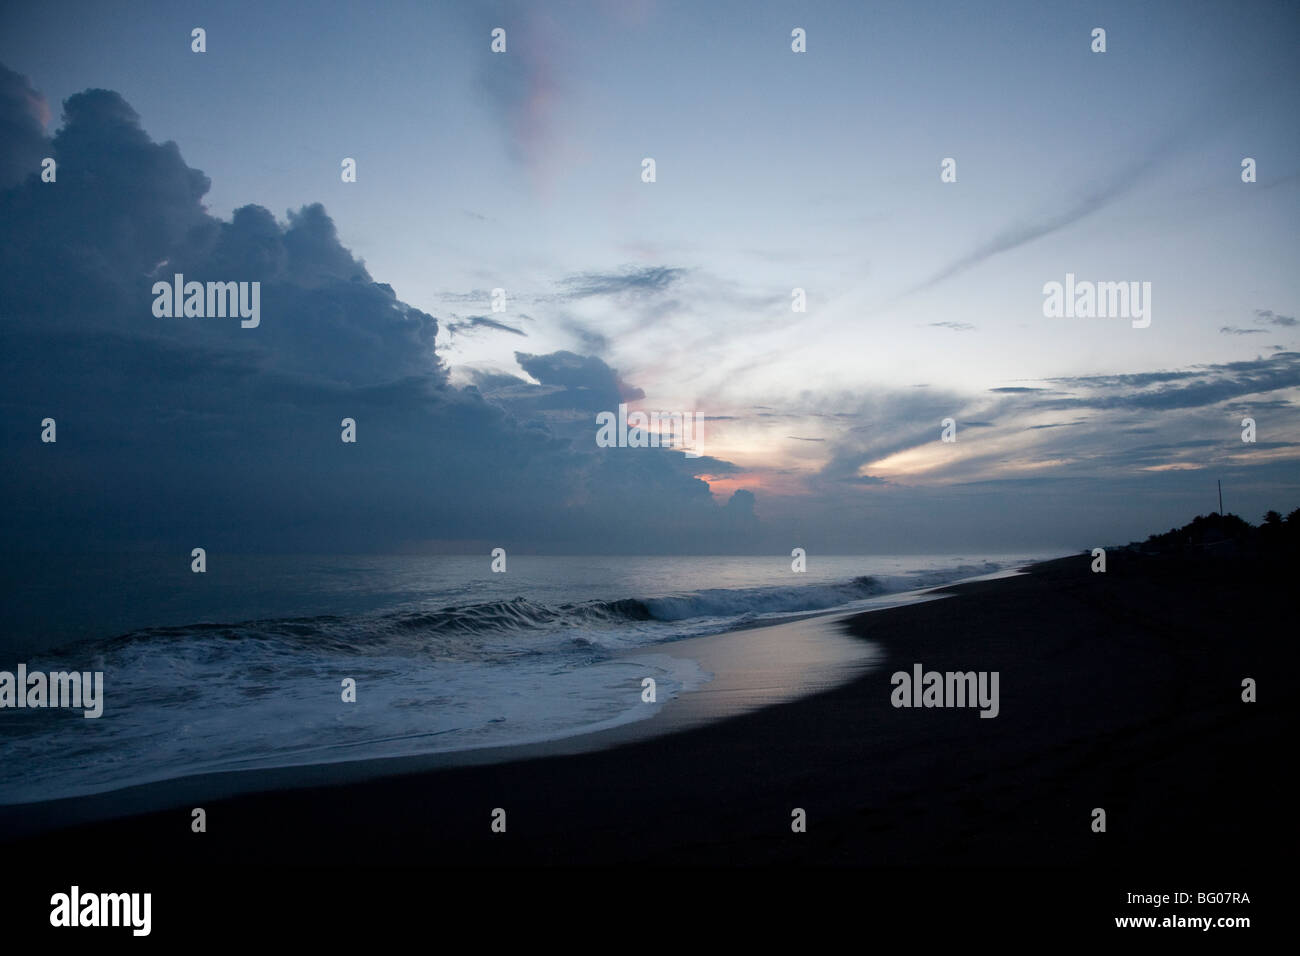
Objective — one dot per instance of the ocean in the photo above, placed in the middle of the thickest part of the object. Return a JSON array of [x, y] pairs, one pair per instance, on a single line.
[[244, 665]]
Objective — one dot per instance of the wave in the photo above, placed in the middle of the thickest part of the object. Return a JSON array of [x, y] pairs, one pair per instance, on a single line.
[[436, 676], [518, 614], [523, 614], [446, 629], [751, 602]]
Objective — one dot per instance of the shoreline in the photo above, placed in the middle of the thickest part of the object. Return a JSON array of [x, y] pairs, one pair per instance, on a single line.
[[752, 666], [1118, 691]]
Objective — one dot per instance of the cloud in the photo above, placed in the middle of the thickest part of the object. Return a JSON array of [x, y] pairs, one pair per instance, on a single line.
[[177, 430], [631, 281], [24, 115], [472, 322], [741, 503], [1016, 433], [1284, 180], [1114, 186], [876, 425], [955, 326], [1274, 318], [121, 204], [590, 340], [523, 85], [580, 373], [474, 295], [1192, 388]]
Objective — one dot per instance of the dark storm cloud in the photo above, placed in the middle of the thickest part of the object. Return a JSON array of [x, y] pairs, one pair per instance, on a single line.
[[176, 430], [23, 117], [579, 373], [740, 506], [570, 391]]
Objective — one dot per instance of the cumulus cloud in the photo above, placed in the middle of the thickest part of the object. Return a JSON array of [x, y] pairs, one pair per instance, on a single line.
[[24, 115], [176, 431], [581, 376]]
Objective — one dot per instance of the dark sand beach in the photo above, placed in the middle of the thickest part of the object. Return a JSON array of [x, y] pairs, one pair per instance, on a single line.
[[1119, 690]]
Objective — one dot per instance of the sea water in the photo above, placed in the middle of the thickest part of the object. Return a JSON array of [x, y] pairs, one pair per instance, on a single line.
[[245, 665]]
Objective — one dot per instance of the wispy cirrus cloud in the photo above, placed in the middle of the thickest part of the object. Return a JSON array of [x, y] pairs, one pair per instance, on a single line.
[[1117, 184], [1197, 387], [647, 281], [524, 85], [459, 326]]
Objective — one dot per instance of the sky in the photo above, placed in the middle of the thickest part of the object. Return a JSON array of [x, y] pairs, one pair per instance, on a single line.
[[522, 171]]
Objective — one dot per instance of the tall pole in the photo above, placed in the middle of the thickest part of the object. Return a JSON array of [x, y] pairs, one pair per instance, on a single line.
[[1220, 497]]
